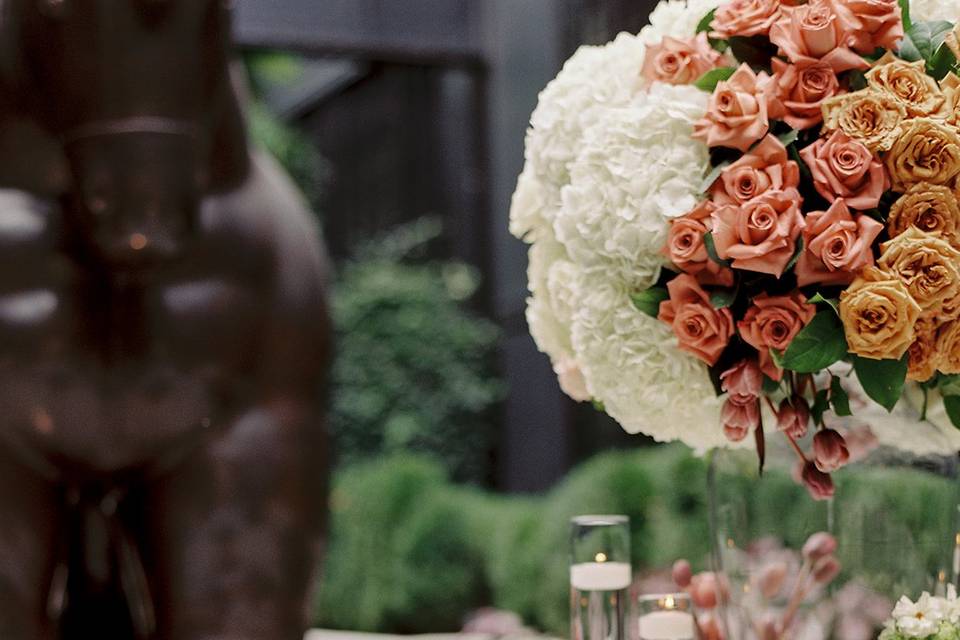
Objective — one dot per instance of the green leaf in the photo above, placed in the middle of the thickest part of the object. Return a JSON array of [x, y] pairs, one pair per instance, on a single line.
[[819, 299], [839, 398], [857, 80], [818, 345], [922, 40], [789, 137], [648, 300], [770, 386], [756, 51], [820, 405], [777, 356], [598, 406], [712, 176], [723, 298], [905, 14], [711, 248], [708, 81], [949, 385], [943, 62], [704, 24], [952, 405], [882, 380]]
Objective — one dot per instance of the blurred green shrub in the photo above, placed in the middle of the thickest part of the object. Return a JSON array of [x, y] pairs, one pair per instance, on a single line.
[[415, 369], [412, 552]]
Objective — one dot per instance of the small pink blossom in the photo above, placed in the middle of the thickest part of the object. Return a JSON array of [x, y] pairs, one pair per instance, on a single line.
[[826, 569], [739, 419], [743, 381], [793, 417], [819, 545], [682, 573], [830, 450], [818, 484]]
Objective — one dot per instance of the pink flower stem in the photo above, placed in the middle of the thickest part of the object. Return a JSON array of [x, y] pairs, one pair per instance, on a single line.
[[796, 447], [800, 588]]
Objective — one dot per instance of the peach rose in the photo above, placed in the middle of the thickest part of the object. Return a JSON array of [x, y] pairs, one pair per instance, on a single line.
[[739, 111], [772, 323], [950, 309], [802, 89], [953, 40], [841, 167], [676, 61], [929, 207], [869, 116], [928, 150], [700, 329], [950, 110], [836, 245], [871, 23], [686, 250], [923, 356], [744, 18], [811, 32], [926, 264], [766, 167], [948, 348], [878, 315], [907, 83], [762, 234]]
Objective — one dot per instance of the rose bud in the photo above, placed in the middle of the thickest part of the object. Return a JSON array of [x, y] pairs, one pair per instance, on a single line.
[[793, 417], [826, 570], [682, 573], [743, 381], [819, 545], [709, 627], [830, 450], [767, 627], [703, 590], [771, 579], [739, 419], [818, 483]]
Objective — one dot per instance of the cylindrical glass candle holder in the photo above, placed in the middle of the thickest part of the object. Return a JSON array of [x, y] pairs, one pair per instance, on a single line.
[[600, 577], [667, 616]]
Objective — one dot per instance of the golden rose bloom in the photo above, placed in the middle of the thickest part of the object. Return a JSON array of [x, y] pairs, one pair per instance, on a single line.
[[907, 83], [878, 315], [948, 347], [872, 117], [928, 150], [923, 355], [926, 264], [950, 111], [929, 207]]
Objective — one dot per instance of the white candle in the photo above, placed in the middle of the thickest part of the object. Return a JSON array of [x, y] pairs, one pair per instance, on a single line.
[[600, 576], [667, 625]]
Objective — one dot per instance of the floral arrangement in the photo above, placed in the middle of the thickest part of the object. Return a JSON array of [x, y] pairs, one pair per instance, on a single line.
[[930, 617], [749, 213]]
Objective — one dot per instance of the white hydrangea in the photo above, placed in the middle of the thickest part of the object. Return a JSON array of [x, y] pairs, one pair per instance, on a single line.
[[607, 166], [638, 166], [925, 10], [633, 366]]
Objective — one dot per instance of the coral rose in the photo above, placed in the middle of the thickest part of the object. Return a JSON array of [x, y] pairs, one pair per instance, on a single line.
[[739, 111], [802, 89], [926, 264], [744, 18], [871, 117], [811, 32], [927, 151], [948, 347], [686, 250], [700, 329], [772, 323], [871, 24], [923, 355], [676, 61], [762, 234], [841, 167], [928, 207], [878, 315], [836, 245], [907, 83], [764, 168]]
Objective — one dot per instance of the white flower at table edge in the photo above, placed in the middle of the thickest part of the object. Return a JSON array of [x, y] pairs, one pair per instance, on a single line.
[[928, 617]]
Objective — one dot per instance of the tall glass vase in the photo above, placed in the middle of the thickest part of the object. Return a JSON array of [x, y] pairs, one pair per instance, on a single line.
[[894, 521]]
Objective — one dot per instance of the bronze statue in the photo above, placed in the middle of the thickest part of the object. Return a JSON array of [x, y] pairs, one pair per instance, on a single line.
[[163, 337]]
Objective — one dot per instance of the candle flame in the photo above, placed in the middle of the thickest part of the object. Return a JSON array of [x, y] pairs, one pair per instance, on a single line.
[[669, 603], [601, 557]]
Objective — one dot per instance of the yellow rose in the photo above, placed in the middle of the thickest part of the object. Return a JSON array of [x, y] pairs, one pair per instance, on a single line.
[[950, 111], [929, 207], [878, 316], [948, 347], [907, 83], [871, 117], [923, 355], [928, 150], [926, 264]]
